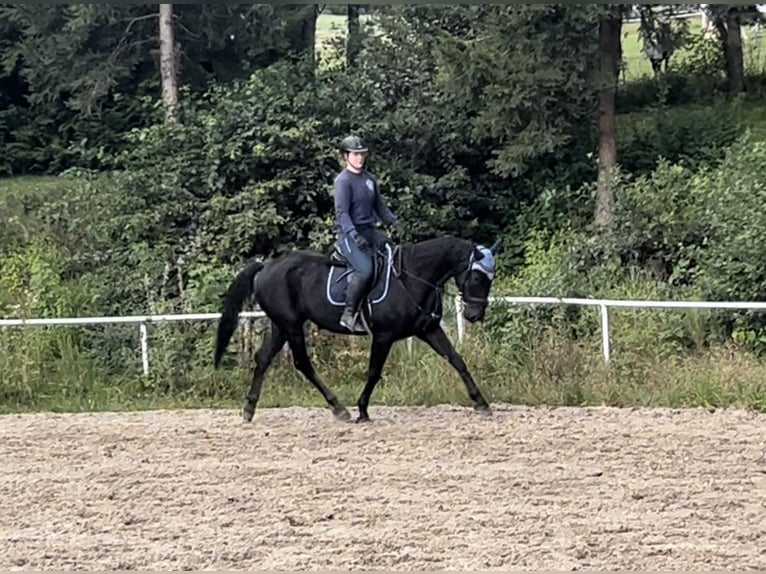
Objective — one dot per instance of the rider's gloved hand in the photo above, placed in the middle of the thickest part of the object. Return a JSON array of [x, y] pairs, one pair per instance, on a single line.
[[397, 232], [360, 241]]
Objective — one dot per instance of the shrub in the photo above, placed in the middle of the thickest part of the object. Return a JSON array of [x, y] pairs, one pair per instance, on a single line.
[[691, 136]]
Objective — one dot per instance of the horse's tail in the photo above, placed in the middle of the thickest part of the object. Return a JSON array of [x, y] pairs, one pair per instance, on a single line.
[[239, 291]]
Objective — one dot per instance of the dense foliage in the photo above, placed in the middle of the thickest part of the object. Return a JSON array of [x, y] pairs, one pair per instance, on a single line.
[[481, 120]]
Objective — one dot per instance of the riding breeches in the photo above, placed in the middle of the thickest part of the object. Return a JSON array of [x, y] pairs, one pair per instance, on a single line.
[[359, 258]]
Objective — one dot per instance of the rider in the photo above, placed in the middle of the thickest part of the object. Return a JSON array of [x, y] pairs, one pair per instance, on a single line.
[[359, 205]]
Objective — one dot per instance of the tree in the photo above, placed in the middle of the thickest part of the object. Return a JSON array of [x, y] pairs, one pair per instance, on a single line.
[[300, 26], [354, 37], [662, 32], [521, 74], [609, 56], [80, 53], [726, 19], [168, 62]]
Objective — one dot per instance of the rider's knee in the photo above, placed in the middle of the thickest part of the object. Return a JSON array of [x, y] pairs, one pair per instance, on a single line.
[[365, 272]]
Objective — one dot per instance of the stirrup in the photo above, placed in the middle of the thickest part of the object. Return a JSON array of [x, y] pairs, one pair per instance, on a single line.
[[354, 327]]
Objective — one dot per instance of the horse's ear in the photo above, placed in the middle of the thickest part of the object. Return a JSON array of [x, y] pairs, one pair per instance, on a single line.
[[495, 246], [478, 254]]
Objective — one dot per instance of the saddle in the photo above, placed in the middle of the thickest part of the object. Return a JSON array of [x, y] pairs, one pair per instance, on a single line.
[[379, 262], [383, 265]]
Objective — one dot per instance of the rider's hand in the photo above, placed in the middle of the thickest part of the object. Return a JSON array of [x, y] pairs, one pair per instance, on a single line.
[[361, 242], [397, 232]]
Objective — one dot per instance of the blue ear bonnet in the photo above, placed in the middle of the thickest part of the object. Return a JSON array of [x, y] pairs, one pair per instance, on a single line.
[[486, 264]]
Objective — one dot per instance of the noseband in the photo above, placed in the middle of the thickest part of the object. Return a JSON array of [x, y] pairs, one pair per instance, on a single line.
[[476, 300], [470, 298]]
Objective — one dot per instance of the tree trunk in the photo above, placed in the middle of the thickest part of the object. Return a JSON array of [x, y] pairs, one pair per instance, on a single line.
[[734, 59], [309, 31], [168, 69], [354, 38], [609, 62]]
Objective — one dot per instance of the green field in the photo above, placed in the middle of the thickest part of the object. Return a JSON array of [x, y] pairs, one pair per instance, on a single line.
[[331, 26], [754, 49]]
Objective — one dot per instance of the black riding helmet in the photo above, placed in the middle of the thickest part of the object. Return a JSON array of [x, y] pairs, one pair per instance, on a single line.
[[352, 143]]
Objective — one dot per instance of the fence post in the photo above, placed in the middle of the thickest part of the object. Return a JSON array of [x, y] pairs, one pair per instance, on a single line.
[[144, 348], [460, 322], [605, 332]]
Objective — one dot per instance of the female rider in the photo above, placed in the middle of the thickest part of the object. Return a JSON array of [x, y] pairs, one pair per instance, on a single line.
[[359, 205]]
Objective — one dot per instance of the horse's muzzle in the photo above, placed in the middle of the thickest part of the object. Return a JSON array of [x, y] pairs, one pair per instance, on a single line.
[[473, 314]]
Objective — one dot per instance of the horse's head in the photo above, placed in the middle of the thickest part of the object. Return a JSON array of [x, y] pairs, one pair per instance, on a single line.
[[475, 281]]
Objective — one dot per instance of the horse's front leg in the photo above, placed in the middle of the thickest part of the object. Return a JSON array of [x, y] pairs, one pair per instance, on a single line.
[[439, 342], [381, 346]]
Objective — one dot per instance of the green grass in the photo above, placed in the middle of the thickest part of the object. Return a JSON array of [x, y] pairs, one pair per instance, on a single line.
[[637, 66], [34, 188], [332, 26], [21, 195], [752, 113], [28, 185], [549, 371]]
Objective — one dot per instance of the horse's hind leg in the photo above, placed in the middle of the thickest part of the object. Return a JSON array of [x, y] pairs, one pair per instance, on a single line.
[[265, 355], [302, 362]]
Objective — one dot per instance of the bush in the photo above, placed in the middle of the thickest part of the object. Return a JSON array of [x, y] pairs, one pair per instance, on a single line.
[[733, 262], [681, 232], [691, 136]]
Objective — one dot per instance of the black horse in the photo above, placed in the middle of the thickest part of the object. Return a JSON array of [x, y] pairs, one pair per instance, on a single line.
[[409, 280]]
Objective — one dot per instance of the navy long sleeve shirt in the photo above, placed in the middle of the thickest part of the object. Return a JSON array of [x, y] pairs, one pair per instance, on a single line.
[[357, 202]]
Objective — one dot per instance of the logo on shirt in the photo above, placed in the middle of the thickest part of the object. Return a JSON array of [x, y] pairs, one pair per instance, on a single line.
[[370, 185]]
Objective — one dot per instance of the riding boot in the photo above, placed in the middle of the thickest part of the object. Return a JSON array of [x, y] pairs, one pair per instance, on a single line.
[[353, 296]]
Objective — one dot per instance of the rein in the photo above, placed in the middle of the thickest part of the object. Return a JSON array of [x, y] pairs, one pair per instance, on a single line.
[[438, 287], [401, 271]]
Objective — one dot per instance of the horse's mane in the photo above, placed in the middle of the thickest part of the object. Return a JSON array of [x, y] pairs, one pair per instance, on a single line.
[[435, 245]]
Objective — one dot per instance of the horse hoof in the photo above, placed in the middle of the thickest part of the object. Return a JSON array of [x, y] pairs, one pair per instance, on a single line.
[[363, 420], [247, 413], [341, 414], [483, 410]]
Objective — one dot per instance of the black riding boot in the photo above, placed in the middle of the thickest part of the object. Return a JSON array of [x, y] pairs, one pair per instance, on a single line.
[[353, 296]]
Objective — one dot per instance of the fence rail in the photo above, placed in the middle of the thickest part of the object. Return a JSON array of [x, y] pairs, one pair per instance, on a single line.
[[603, 304], [142, 320]]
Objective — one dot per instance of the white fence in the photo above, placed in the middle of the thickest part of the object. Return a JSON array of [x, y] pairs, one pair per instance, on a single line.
[[604, 304], [142, 320]]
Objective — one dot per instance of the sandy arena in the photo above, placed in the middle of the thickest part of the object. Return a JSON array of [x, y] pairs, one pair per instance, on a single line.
[[420, 488]]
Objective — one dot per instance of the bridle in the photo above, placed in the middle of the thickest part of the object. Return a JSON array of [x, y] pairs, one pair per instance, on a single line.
[[473, 265], [479, 266]]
